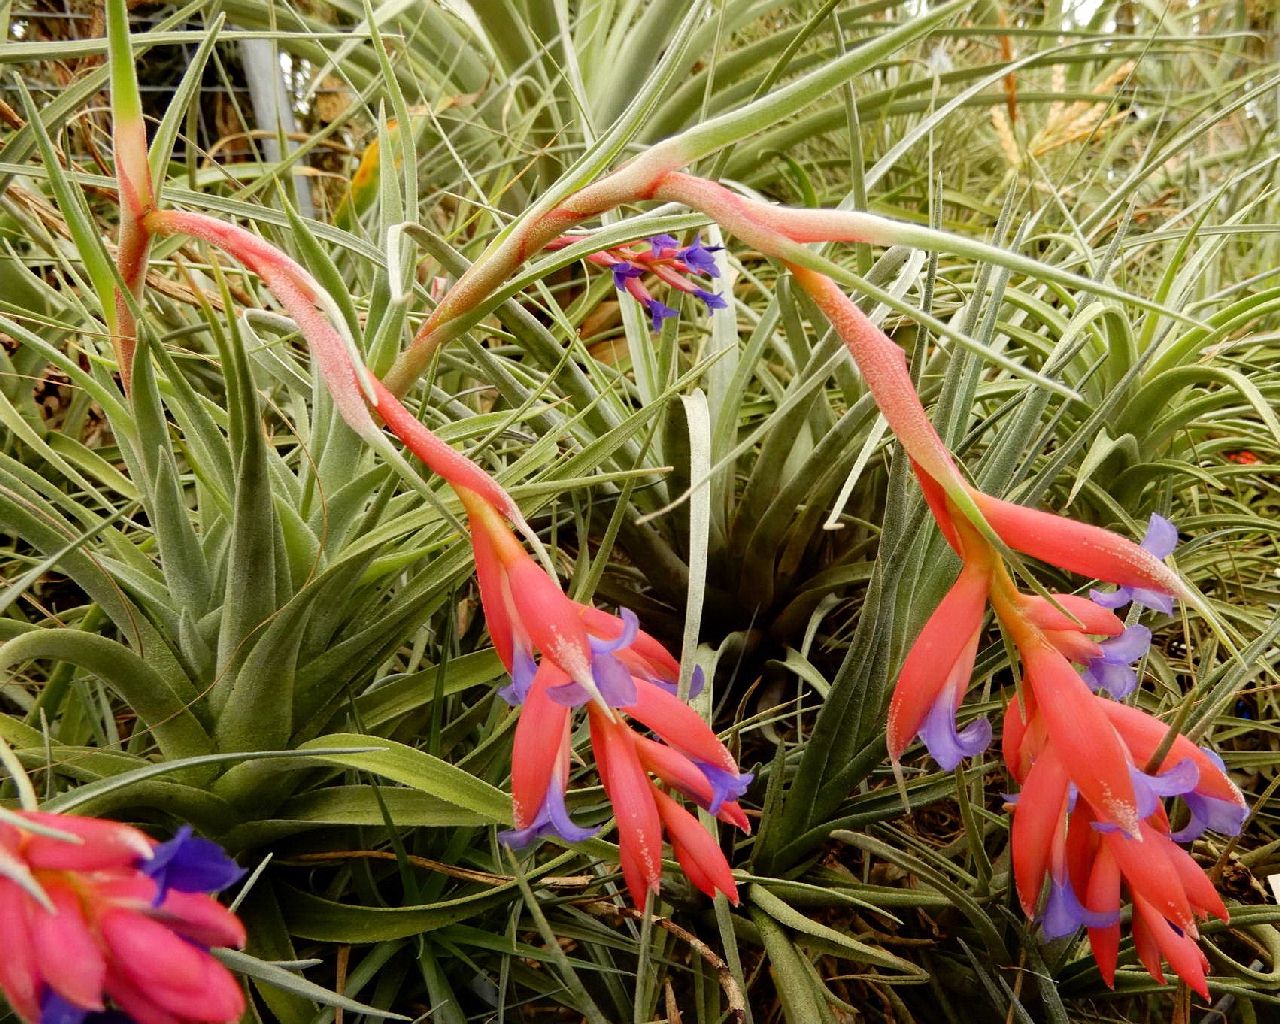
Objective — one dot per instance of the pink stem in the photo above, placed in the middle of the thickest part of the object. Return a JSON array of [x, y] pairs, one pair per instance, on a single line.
[[339, 364], [137, 200], [884, 370], [297, 291]]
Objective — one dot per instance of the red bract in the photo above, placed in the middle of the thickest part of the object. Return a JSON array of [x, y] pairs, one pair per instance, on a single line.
[[936, 674], [1077, 547], [1092, 752], [1059, 834], [118, 920], [643, 811]]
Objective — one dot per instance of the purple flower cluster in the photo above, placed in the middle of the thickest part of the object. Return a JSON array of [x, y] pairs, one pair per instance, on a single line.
[[672, 264], [1113, 670]]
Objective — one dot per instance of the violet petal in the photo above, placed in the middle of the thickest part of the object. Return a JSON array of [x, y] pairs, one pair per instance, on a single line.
[[1161, 536], [947, 744], [188, 863], [613, 680], [1128, 647], [630, 626], [1064, 912]]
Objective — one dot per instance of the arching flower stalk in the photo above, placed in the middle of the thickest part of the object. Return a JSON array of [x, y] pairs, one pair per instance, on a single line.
[[589, 654], [1086, 761], [137, 196], [560, 653]]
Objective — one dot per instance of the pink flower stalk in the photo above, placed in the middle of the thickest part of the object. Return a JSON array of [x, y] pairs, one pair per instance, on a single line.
[[124, 919], [355, 391], [587, 654], [310, 306], [137, 196]]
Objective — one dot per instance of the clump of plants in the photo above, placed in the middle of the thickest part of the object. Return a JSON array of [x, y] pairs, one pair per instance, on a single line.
[[403, 711]]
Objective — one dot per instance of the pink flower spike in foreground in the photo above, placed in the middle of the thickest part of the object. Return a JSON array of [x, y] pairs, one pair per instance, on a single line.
[[307, 303], [128, 922], [561, 655], [1060, 836]]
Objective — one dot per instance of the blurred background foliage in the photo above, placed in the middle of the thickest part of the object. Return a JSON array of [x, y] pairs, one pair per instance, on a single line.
[[217, 608]]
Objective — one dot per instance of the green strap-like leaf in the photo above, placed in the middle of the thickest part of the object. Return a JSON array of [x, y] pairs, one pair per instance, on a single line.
[[164, 711], [420, 770], [279, 977]]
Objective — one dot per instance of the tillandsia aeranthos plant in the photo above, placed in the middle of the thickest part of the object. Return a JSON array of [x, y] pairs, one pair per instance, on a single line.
[[1097, 805], [1106, 793]]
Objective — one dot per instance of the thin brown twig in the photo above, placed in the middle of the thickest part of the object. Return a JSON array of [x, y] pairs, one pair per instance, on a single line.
[[340, 978], [427, 864], [733, 995]]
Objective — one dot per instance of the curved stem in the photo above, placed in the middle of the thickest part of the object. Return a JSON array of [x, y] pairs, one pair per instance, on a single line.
[[634, 181]]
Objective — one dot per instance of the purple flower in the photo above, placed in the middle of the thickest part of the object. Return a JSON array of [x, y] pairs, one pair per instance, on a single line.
[[56, 1010], [187, 863], [1160, 539], [624, 272], [712, 300], [523, 669], [658, 312], [725, 786], [947, 744], [1064, 913], [612, 678], [1210, 812], [552, 819], [696, 682], [1113, 670], [1180, 780], [660, 243], [699, 259]]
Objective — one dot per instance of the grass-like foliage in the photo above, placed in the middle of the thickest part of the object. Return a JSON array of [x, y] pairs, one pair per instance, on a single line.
[[223, 606]]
